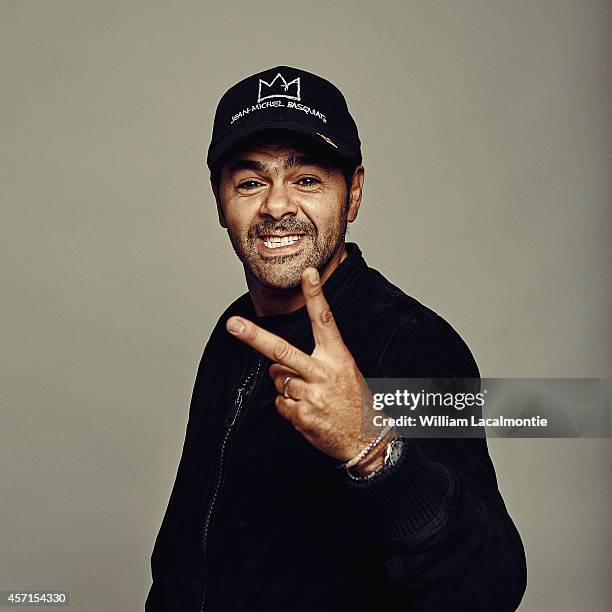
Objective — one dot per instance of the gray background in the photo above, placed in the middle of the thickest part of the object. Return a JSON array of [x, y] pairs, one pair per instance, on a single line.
[[487, 141]]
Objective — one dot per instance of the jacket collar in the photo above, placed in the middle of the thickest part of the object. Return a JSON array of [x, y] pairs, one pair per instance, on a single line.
[[335, 287]]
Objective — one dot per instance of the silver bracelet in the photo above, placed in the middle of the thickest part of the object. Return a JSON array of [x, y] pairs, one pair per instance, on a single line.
[[367, 450], [369, 476], [394, 449]]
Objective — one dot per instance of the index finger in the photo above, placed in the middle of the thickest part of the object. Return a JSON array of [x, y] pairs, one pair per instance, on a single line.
[[272, 346]]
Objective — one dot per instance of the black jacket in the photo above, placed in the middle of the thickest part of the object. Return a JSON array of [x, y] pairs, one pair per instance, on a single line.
[[261, 521]]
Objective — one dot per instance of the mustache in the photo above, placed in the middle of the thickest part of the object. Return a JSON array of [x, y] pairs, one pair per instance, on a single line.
[[287, 225]]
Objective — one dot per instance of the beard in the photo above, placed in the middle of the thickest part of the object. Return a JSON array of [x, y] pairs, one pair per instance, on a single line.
[[285, 271]]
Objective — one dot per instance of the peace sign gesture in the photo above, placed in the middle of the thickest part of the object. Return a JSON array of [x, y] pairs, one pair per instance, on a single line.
[[320, 394]]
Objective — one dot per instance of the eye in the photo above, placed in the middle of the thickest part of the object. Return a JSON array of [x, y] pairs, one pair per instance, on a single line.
[[308, 181], [249, 185]]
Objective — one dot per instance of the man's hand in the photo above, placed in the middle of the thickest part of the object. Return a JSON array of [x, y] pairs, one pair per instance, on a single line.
[[326, 389]]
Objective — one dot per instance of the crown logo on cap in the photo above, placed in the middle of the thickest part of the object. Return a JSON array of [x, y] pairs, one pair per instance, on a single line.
[[279, 88]]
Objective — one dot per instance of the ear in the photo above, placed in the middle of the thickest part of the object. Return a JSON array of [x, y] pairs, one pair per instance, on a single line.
[[355, 193], [215, 189]]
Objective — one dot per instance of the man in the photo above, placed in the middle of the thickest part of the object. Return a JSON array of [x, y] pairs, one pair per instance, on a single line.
[[260, 517]]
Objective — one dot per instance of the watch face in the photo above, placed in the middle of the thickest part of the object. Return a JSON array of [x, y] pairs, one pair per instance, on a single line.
[[394, 450]]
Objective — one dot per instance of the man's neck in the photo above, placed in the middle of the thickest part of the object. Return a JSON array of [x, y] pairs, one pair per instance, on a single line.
[[268, 301]]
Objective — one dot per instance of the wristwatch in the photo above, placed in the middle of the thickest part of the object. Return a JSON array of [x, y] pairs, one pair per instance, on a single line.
[[393, 452], [392, 455]]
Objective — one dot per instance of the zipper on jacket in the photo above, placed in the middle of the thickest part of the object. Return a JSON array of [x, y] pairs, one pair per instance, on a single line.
[[244, 388]]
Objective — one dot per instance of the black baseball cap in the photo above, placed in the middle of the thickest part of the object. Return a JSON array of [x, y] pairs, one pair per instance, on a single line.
[[289, 99]]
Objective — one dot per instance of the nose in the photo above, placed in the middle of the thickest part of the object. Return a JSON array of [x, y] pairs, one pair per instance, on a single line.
[[277, 202]]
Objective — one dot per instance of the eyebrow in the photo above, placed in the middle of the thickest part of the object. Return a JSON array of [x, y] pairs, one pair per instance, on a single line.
[[291, 162]]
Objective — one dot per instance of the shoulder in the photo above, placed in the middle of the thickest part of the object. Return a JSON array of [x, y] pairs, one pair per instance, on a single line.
[[241, 306], [409, 338], [220, 340]]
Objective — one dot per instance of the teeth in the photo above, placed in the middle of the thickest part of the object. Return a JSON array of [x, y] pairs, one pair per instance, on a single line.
[[275, 242]]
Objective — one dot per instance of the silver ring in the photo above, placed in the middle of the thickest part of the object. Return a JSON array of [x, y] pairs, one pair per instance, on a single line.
[[285, 383]]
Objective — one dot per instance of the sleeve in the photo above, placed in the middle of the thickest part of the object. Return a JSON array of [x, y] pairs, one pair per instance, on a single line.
[[447, 540], [167, 569]]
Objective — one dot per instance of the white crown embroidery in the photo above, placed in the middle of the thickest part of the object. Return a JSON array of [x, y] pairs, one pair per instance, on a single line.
[[291, 89]]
